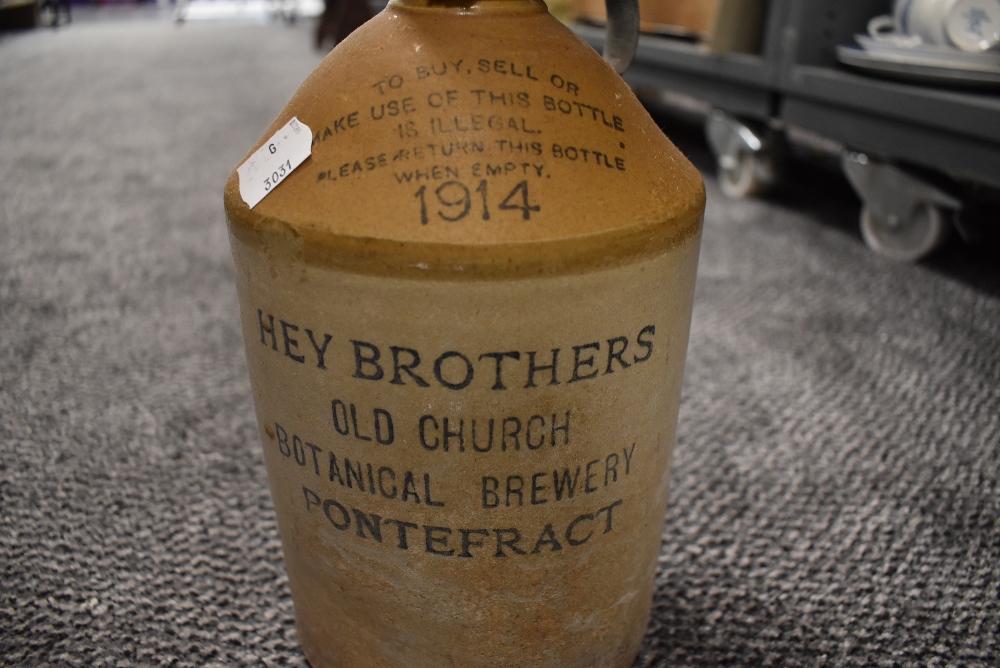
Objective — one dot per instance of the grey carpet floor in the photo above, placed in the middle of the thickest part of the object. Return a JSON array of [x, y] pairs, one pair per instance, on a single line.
[[836, 490]]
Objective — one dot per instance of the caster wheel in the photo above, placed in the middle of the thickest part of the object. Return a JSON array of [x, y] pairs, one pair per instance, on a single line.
[[906, 239], [744, 175]]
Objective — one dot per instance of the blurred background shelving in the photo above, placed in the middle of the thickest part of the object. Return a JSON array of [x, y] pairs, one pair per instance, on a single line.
[[769, 69]]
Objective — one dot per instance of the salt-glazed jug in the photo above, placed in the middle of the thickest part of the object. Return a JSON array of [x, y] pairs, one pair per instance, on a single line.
[[466, 259]]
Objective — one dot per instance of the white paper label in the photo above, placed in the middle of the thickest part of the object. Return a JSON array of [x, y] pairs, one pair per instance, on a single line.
[[274, 161]]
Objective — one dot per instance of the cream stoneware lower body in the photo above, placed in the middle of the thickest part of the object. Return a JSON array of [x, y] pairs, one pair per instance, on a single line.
[[468, 473]]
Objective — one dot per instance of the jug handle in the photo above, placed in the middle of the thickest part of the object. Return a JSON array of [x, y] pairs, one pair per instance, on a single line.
[[623, 33]]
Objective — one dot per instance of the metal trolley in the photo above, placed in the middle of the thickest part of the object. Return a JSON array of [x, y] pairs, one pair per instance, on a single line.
[[925, 159]]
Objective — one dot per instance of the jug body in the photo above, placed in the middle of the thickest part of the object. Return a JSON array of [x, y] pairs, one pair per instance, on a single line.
[[466, 317]]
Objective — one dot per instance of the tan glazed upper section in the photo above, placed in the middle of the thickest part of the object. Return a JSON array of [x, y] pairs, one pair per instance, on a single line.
[[472, 139]]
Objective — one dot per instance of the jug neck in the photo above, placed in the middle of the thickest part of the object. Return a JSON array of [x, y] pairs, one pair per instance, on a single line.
[[472, 6]]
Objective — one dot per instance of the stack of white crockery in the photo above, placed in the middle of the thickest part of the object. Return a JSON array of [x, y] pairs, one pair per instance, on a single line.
[[950, 41]]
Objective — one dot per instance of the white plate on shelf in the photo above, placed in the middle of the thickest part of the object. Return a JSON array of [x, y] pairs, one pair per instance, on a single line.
[[922, 66], [930, 55]]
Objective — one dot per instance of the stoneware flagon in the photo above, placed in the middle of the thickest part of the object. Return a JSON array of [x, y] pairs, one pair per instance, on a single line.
[[466, 306]]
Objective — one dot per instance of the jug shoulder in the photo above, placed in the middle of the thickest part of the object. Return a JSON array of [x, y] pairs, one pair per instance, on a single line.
[[463, 143]]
